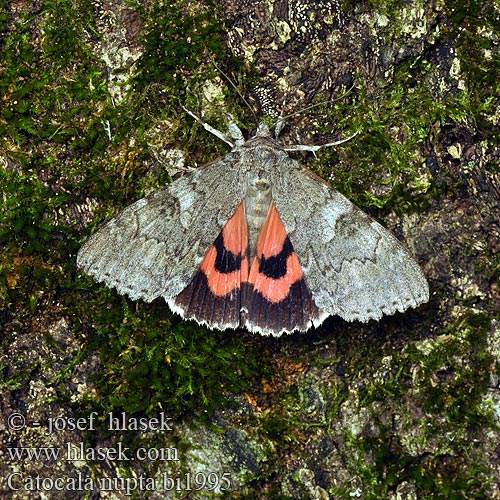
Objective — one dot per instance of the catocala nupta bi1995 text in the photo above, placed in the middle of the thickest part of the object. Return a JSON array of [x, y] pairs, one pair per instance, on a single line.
[[255, 240]]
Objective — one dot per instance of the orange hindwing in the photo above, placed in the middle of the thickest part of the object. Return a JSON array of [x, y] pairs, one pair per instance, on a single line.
[[214, 294], [276, 297]]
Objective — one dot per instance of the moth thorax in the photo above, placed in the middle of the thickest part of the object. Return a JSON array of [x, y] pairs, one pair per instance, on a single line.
[[257, 201]]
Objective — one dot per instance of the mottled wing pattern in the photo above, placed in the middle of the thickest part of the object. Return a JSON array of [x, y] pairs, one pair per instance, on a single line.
[[353, 266], [154, 247]]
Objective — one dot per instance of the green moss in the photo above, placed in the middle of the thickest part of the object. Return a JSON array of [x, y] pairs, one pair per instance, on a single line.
[[384, 166], [150, 362], [178, 38], [471, 22], [450, 378], [456, 393], [55, 101], [65, 20], [433, 476], [385, 6], [475, 30]]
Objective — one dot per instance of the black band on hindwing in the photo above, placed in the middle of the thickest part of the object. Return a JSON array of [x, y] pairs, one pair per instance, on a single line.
[[275, 267], [225, 261]]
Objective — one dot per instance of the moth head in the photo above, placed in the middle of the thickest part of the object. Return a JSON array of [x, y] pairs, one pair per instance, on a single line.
[[261, 185], [262, 130]]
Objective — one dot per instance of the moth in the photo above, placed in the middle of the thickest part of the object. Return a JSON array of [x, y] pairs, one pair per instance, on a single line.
[[255, 240]]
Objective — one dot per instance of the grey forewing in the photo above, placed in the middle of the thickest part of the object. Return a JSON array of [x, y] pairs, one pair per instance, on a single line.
[[154, 246], [354, 267]]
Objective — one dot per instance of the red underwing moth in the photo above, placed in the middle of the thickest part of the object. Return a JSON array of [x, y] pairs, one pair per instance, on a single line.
[[255, 240]]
